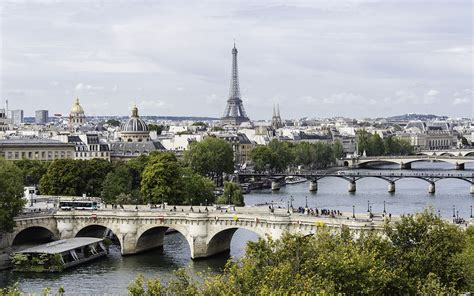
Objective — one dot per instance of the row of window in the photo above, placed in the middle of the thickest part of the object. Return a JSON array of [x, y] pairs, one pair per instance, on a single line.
[[92, 154], [45, 155]]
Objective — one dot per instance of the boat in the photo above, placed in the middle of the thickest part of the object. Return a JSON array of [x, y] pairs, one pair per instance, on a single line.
[[295, 180], [59, 255]]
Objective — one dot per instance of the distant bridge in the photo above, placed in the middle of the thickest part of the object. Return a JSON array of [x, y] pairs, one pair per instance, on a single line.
[[207, 232], [449, 152], [405, 161], [352, 176]]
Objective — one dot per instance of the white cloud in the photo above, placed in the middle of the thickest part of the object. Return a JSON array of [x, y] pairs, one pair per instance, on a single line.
[[432, 92], [81, 86]]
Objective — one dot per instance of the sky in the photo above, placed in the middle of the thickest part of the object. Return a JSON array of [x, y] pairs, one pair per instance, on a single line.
[[313, 58]]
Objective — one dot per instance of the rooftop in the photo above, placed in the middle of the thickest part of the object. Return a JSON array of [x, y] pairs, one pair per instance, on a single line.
[[62, 245]]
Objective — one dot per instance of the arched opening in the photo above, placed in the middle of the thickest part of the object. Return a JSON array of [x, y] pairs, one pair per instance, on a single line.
[[100, 231], [33, 236], [163, 238], [231, 241], [346, 163]]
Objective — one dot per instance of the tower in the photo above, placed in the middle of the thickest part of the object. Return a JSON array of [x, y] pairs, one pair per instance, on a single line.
[[276, 119], [77, 117], [234, 113]]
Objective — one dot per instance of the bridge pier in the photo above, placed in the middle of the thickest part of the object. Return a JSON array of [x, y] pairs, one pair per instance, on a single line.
[[391, 187], [432, 188], [352, 186], [459, 166], [275, 186], [405, 166], [313, 186]]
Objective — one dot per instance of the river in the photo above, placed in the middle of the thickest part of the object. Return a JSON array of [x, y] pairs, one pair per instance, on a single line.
[[112, 275]]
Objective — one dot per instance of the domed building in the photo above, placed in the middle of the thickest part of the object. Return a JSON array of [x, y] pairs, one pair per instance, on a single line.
[[134, 139], [77, 117], [135, 129]]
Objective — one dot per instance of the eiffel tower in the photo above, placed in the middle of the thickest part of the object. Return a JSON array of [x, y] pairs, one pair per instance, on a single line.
[[234, 113]]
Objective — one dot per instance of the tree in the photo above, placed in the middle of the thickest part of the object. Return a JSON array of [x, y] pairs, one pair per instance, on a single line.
[[113, 122], [161, 179], [32, 170], [337, 149], [464, 141], [363, 142], [233, 194], [11, 194], [156, 127], [119, 181], [261, 158], [376, 145], [64, 177], [136, 166], [95, 172], [211, 157], [196, 187]]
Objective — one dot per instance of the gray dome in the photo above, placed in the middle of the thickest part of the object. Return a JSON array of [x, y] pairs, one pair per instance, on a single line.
[[135, 124]]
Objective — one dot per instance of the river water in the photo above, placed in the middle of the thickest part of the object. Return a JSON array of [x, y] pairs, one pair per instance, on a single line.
[[113, 274]]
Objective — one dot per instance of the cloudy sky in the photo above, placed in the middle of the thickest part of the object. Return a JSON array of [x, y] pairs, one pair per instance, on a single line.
[[313, 58]]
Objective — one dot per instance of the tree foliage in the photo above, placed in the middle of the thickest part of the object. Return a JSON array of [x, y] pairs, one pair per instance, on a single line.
[[211, 157], [233, 194], [118, 181], [32, 170], [11, 194], [64, 177], [374, 145]]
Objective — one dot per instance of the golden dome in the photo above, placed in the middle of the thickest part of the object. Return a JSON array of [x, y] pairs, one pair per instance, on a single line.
[[77, 108]]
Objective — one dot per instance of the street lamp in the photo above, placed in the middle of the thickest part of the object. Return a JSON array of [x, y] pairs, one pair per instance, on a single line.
[[191, 205], [307, 202], [206, 204], [454, 211], [439, 213], [471, 211], [353, 211], [291, 202], [287, 207], [457, 215], [368, 206], [384, 211]]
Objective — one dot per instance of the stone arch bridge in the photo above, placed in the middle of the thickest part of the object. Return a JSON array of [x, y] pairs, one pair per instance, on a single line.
[[207, 233], [405, 162]]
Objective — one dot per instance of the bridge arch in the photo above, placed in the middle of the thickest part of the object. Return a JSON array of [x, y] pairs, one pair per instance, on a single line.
[[153, 237], [34, 234], [99, 231], [219, 241]]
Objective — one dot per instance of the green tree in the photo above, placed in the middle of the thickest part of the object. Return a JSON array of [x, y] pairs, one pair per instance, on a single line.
[[261, 158], [424, 244], [363, 142], [233, 194], [376, 145], [136, 166], [113, 122], [32, 170], [156, 127], [11, 194], [196, 187], [464, 141], [64, 177], [211, 157], [119, 181], [161, 179], [337, 149], [94, 172]]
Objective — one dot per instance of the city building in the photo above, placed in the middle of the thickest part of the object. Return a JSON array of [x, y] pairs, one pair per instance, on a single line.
[[16, 116], [241, 145], [134, 139], [89, 146], [3, 120], [77, 117], [37, 149], [234, 113], [41, 117]]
